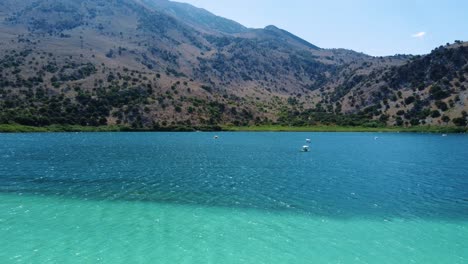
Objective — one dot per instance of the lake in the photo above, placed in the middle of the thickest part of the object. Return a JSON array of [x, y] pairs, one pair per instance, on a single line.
[[242, 198]]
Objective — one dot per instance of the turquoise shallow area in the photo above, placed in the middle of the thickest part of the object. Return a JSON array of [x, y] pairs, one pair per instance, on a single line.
[[54, 230], [245, 198]]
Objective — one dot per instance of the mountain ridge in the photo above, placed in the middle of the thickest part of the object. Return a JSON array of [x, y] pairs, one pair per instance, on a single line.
[[197, 17], [147, 63]]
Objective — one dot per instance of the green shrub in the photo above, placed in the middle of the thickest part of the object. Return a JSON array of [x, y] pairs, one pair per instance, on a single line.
[[435, 114]]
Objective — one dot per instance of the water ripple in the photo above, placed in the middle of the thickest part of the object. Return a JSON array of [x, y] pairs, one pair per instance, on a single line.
[[345, 176]]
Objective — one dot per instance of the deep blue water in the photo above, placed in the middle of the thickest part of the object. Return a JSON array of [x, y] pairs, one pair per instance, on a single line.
[[345, 175]]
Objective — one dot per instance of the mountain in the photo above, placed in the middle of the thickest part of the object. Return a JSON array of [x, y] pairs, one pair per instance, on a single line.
[[428, 89], [196, 17], [158, 63]]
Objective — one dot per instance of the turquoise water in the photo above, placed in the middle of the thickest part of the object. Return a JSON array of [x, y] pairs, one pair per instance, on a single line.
[[244, 198]]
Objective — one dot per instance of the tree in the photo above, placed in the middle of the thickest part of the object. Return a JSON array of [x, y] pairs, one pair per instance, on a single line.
[[383, 118], [414, 122], [398, 121], [435, 114], [437, 93], [410, 100], [459, 121], [441, 105], [446, 119]]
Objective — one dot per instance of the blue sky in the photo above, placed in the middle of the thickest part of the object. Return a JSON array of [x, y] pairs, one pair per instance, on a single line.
[[375, 27]]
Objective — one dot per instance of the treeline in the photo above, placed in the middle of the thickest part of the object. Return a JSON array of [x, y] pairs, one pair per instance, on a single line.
[[38, 108], [312, 117]]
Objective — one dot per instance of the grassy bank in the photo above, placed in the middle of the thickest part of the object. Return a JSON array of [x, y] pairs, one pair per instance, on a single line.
[[14, 128], [274, 128]]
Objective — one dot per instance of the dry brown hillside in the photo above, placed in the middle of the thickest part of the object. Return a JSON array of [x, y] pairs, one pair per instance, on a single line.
[[156, 63]]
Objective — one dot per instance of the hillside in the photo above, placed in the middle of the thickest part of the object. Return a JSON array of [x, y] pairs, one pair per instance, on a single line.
[[156, 64]]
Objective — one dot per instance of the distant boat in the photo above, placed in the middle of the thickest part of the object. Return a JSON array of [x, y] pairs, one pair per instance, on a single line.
[[305, 148], [308, 140], [216, 137], [444, 135]]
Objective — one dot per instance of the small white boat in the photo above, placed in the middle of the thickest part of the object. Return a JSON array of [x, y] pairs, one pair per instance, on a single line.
[[444, 135], [305, 148], [308, 140], [216, 137]]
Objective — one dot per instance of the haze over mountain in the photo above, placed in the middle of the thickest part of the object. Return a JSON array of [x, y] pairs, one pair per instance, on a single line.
[[157, 63]]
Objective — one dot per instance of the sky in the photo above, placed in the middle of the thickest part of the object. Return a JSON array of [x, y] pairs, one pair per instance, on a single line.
[[375, 27]]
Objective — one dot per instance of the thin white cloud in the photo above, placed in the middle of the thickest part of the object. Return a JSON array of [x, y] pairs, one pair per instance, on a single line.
[[419, 35]]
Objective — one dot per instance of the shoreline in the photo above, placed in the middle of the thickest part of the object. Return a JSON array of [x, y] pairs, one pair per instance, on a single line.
[[418, 129], [13, 128]]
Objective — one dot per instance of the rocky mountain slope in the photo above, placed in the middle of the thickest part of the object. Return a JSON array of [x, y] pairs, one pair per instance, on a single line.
[[157, 63]]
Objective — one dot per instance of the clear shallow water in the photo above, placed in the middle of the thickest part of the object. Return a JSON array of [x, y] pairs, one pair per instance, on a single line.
[[245, 198]]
